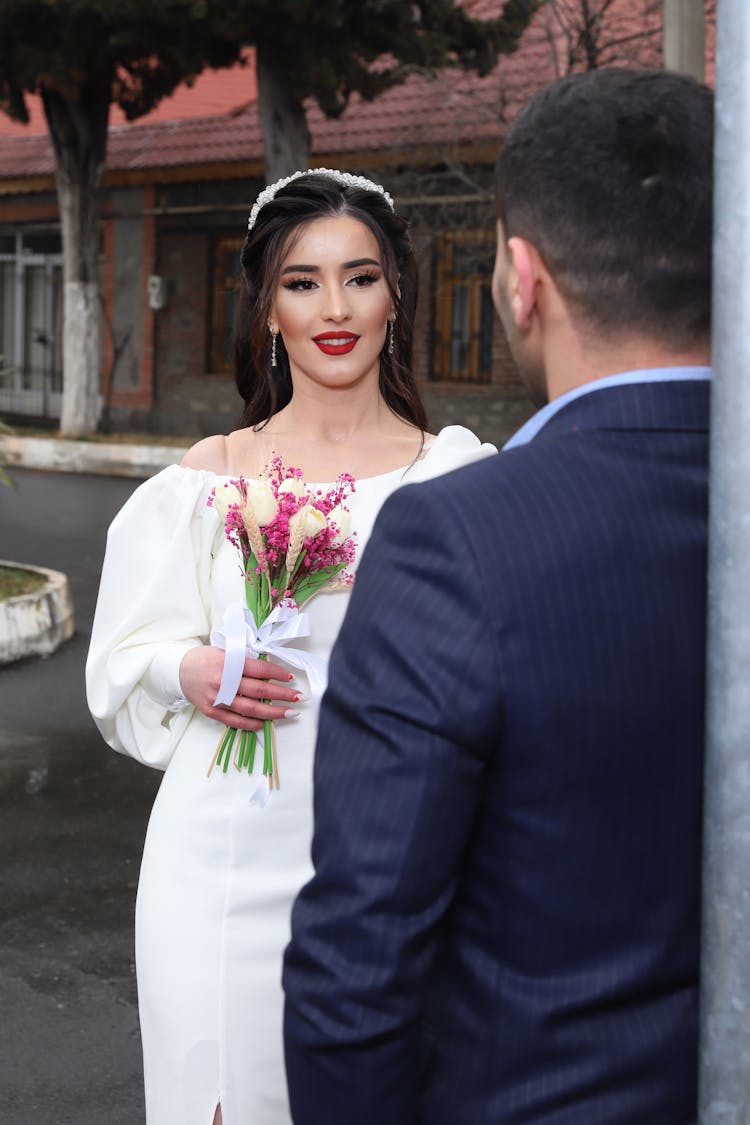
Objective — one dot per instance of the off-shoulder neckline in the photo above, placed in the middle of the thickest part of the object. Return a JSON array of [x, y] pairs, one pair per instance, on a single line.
[[400, 470], [310, 484]]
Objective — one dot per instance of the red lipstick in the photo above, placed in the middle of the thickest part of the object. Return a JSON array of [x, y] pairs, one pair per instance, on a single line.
[[336, 343]]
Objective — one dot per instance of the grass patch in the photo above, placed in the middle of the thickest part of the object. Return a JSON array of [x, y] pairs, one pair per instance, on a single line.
[[14, 581]]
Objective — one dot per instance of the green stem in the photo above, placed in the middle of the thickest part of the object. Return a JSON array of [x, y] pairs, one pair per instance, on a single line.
[[226, 748], [252, 739], [267, 748]]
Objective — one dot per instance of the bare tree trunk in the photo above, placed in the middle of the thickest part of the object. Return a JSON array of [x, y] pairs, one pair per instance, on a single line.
[[78, 130], [286, 138]]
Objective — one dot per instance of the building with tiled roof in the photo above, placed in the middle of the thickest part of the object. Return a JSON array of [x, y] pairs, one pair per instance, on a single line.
[[179, 183]]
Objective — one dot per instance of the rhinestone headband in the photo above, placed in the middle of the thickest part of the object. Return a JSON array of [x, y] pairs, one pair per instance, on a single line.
[[345, 178]]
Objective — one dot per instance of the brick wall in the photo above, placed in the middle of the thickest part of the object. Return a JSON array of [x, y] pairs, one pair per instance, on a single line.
[[182, 327], [192, 402]]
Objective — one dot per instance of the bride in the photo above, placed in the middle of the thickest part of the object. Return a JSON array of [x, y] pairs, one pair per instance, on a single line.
[[323, 363]]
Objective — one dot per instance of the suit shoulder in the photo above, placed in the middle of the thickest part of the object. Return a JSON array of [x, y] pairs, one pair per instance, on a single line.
[[488, 477]]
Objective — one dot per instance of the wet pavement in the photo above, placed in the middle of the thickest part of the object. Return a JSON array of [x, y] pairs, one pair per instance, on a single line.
[[72, 821]]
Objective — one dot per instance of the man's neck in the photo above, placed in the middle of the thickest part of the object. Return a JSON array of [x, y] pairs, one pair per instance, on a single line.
[[589, 361]]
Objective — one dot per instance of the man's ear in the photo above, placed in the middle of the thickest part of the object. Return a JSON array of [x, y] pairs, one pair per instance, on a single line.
[[523, 281]]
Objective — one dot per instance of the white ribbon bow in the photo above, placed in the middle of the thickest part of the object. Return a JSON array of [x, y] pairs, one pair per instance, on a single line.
[[241, 637]]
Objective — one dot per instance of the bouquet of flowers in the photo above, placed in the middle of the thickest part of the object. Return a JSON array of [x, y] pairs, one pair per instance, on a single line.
[[293, 543]]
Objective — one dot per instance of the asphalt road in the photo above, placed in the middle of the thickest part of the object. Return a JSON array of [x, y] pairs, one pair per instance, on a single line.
[[72, 821]]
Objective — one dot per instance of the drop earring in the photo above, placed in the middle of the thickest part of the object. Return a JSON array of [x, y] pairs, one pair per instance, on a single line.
[[273, 348], [391, 336]]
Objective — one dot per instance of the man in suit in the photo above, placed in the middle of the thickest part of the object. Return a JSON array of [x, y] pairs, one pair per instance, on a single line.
[[503, 926]]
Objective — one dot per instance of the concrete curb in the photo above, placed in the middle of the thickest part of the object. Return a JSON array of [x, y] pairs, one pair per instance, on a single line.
[[108, 459], [36, 624]]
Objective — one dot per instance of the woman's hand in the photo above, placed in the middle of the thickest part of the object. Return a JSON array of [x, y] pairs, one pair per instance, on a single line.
[[200, 675]]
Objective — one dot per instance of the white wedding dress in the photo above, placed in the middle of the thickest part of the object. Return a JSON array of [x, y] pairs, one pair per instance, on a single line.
[[220, 868]]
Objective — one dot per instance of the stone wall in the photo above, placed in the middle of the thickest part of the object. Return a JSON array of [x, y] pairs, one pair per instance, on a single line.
[[195, 407], [492, 415], [182, 325]]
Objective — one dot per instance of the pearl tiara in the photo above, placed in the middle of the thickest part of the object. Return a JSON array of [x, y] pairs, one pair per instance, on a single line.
[[345, 178]]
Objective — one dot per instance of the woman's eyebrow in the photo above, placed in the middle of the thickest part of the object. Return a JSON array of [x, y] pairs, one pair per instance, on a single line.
[[300, 269], [344, 265], [360, 262]]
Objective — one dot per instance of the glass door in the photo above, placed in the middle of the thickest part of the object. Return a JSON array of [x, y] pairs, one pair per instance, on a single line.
[[31, 292]]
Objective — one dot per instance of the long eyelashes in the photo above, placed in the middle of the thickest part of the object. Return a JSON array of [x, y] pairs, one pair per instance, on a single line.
[[305, 284], [299, 284], [362, 280]]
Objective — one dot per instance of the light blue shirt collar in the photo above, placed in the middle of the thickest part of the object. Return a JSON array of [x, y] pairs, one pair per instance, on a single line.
[[624, 378]]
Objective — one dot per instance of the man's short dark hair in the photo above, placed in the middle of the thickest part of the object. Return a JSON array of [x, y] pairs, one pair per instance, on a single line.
[[610, 174]]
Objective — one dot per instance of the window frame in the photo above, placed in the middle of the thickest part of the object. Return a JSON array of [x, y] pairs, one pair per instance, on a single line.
[[448, 279], [223, 283]]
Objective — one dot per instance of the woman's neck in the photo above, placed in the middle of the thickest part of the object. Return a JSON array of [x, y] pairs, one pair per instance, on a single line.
[[334, 417], [328, 432]]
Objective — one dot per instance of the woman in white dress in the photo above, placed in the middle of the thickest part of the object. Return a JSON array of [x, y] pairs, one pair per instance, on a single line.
[[323, 362]]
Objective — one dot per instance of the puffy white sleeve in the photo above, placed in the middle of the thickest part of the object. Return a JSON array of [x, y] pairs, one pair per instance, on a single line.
[[452, 448], [153, 606]]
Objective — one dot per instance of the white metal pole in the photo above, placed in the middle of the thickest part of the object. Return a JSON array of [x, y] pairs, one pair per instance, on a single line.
[[684, 37], [724, 1097]]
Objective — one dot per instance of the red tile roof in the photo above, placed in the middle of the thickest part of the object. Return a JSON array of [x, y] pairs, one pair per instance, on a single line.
[[444, 111], [215, 122], [211, 92]]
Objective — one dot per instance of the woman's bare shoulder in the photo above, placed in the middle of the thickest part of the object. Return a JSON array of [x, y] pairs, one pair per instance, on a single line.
[[209, 453], [241, 453]]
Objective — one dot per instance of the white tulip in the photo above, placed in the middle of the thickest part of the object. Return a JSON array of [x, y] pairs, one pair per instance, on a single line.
[[261, 502], [340, 516], [315, 521], [306, 523], [224, 496], [295, 486]]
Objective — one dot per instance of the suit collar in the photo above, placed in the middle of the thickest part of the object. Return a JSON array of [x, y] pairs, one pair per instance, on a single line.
[[663, 398]]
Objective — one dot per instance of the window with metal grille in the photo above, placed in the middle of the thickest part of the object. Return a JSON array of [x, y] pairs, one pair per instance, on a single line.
[[464, 315], [31, 302], [225, 295]]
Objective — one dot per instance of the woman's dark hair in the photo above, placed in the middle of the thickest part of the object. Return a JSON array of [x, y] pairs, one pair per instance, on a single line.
[[266, 389]]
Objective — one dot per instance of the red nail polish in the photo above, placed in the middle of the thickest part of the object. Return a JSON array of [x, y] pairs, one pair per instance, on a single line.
[[290, 676]]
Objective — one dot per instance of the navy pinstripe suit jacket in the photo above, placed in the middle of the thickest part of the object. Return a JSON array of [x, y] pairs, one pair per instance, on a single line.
[[503, 925]]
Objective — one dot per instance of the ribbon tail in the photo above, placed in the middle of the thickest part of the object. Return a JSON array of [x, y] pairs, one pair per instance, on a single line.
[[232, 640], [314, 667]]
